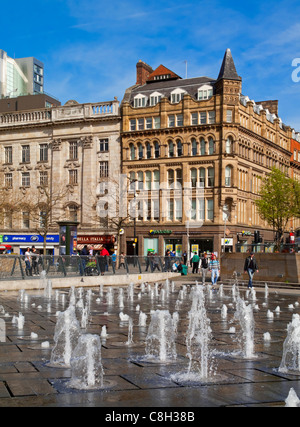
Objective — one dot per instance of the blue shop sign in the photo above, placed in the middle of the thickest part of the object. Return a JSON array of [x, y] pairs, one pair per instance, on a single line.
[[28, 238]]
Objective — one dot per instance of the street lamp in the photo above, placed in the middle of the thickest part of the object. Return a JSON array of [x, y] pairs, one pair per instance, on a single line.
[[131, 181]]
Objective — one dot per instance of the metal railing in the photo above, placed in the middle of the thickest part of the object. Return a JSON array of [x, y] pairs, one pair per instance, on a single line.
[[14, 267]]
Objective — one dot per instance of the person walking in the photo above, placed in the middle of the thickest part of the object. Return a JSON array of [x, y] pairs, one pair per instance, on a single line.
[[195, 261], [28, 267], [204, 267], [34, 259], [250, 267], [122, 260], [214, 267]]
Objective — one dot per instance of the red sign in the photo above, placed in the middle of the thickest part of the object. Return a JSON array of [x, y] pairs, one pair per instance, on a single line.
[[95, 240]]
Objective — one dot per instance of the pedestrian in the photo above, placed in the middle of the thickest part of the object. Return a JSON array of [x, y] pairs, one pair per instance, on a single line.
[[214, 267], [184, 257], [195, 262], [104, 254], [122, 260], [28, 267], [156, 262], [168, 266], [148, 261], [84, 256], [34, 258], [204, 267], [250, 267]]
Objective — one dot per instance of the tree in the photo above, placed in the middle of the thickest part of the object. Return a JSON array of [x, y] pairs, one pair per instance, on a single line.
[[278, 202]]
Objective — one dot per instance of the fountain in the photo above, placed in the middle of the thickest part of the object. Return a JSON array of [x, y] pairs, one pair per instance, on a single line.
[[290, 361], [160, 340], [292, 401], [48, 289], [130, 332], [244, 314], [66, 335], [86, 364]]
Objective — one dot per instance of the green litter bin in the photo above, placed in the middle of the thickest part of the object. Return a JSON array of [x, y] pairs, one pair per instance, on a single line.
[[184, 270]]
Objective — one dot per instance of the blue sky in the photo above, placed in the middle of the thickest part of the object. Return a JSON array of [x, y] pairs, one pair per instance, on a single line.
[[90, 48]]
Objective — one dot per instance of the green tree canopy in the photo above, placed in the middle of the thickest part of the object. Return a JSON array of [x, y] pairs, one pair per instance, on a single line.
[[279, 201]]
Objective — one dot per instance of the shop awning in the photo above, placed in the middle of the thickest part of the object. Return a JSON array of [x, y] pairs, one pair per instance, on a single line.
[[3, 247]]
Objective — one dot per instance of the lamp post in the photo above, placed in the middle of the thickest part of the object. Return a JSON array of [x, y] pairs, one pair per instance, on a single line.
[[131, 181]]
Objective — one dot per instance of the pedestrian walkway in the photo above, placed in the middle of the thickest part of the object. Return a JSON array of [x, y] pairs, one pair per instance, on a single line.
[[26, 379]]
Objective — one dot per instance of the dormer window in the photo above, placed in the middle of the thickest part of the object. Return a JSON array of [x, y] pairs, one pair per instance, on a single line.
[[205, 92], [177, 95], [155, 98], [140, 101]]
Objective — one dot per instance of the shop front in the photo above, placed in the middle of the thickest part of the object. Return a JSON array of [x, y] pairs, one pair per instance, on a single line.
[[20, 242], [96, 242]]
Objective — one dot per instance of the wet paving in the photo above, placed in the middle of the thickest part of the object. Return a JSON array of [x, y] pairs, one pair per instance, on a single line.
[[130, 379]]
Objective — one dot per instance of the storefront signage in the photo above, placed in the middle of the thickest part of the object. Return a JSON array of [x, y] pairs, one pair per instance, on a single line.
[[160, 232], [227, 242], [28, 238], [94, 240]]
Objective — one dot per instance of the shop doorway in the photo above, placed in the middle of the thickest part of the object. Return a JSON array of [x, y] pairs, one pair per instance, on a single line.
[[201, 245]]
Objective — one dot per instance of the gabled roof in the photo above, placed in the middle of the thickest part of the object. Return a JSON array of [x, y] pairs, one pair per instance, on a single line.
[[228, 70], [161, 70]]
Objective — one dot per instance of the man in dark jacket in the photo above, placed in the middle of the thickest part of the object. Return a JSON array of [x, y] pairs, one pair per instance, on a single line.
[[250, 267]]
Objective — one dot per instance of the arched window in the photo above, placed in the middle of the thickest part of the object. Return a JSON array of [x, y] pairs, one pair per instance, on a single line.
[[132, 152], [171, 149], [194, 147], [179, 148], [202, 147], [140, 151], [211, 146], [148, 150], [228, 145], [156, 150], [228, 176]]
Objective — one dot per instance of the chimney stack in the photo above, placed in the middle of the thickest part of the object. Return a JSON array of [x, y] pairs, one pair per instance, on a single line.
[[143, 72]]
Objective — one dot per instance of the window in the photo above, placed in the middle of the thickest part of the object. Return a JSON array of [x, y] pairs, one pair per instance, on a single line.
[[148, 150], [8, 155], [43, 178], [73, 177], [179, 120], [25, 179], [194, 147], [8, 218], [202, 147], [155, 97], [229, 116], [178, 178], [211, 146], [228, 172], [177, 95], [73, 150], [203, 118], [25, 153], [202, 209], [211, 117], [178, 209], [194, 177], [205, 92], [179, 148], [170, 178], [140, 178], [156, 122], [25, 220], [210, 177], [194, 118], [132, 152], [170, 210], [8, 180], [43, 219], [171, 149], [202, 177], [103, 145], [43, 152], [210, 209], [133, 124], [148, 180], [171, 121], [228, 146], [156, 150], [140, 151], [141, 124], [73, 213], [132, 181], [103, 169], [149, 123], [156, 180], [193, 214], [140, 101]]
